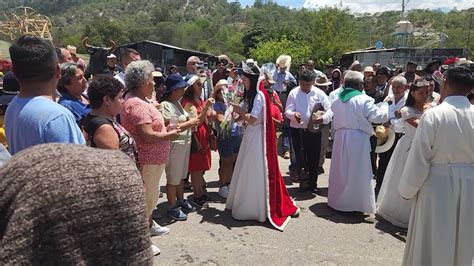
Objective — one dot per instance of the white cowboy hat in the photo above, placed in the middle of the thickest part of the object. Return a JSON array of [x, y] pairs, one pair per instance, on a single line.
[[284, 61], [385, 139]]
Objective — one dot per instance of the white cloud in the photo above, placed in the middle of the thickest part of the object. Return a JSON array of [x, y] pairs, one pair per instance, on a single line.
[[372, 6]]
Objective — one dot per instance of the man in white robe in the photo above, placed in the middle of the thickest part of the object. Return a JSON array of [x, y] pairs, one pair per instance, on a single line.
[[350, 176], [439, 175]]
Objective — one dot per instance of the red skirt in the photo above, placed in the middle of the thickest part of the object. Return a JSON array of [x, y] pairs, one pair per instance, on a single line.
[[201, 161]]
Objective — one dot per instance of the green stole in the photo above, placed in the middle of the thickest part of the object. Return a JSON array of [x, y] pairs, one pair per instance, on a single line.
[[347, 93]]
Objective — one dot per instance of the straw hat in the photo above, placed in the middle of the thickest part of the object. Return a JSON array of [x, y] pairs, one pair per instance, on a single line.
[[385, 139], [369, 69], [322, 81], [355, 64], [221, 83], [284, 61], [157, 74]]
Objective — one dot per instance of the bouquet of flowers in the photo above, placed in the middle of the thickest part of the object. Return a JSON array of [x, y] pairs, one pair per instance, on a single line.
[[231, 94]]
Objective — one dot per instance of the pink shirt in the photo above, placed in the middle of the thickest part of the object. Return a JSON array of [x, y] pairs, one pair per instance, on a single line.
[[137, 112]]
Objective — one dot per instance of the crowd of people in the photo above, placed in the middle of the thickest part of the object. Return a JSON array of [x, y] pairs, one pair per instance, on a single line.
[[410, 130]]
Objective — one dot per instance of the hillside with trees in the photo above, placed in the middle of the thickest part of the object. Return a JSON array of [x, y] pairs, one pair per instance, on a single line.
[[262, 31]]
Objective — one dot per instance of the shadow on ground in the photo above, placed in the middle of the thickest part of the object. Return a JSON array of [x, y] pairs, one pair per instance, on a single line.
[[322, 210], [297, 195], [386, 227], [224, 218], [208, 214]]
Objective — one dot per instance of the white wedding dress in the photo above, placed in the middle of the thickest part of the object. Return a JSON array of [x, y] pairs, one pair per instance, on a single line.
[[391, 206], [247, 197]]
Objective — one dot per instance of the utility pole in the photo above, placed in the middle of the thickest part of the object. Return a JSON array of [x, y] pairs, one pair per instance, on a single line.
[[404, 7]]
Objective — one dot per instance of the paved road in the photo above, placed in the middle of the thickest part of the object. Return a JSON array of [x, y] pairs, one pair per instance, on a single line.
[[319, 236]]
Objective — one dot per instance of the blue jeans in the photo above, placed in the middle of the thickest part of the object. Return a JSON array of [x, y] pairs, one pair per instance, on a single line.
[[285, 141]]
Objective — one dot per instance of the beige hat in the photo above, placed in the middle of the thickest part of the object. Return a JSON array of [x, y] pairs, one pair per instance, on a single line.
[[220, 84], [385, 139], [72, 49], [284, 61], [369, 69], [157, 74], [322, 81], [354, 64]]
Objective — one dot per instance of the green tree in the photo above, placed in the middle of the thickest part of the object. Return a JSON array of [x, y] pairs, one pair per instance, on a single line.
[[101, 31], [268, 51]]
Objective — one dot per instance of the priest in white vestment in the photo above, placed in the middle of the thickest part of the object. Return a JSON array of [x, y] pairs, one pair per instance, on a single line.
[[439, 175], [350, 176]]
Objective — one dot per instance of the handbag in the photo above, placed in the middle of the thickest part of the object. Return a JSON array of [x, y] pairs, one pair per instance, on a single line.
[[195, 145]]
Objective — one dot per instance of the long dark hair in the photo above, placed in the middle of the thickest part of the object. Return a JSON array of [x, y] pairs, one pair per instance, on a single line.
[[410, 99], [249, 94], [410, 102]]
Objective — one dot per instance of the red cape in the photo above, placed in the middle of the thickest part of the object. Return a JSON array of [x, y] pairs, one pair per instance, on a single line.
[[281, 207]]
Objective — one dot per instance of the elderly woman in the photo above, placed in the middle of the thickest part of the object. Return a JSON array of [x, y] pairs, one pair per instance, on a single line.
[[146, 125], [199, 160], [72, 85], [177, 168]]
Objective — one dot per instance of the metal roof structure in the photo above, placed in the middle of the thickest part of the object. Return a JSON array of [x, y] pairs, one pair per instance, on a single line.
[[169, 47]]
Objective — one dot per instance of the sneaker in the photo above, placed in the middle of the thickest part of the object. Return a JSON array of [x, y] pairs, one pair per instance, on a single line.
[[156, 251], [185, 206], [177, 214], [223, 191], [286, 155], [157, 230], [201, 201]]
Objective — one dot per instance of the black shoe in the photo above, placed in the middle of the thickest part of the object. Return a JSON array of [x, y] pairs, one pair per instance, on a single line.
[[320, 170], [186, 207], [201, 201]]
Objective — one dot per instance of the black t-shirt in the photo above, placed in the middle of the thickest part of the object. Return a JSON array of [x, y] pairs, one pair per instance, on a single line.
[[91, 123]]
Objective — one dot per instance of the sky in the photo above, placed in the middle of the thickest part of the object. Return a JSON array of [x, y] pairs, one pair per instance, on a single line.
[[372, 6]]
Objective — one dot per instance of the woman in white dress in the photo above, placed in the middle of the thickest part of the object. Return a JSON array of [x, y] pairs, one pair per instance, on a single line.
[[257, 190], [391, 206]]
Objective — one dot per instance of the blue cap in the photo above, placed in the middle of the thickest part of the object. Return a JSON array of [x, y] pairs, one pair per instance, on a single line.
[[174, 82]]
